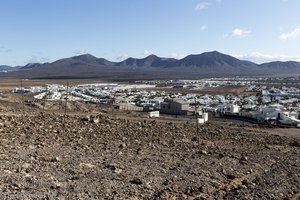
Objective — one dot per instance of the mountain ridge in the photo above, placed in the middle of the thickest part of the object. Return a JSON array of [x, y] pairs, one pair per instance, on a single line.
[[6, 68], [211, 63]]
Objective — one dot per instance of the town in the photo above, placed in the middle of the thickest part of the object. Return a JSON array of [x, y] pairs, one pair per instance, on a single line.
[[263, 100]]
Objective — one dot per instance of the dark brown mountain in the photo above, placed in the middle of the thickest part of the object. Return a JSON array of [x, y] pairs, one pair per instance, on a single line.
[[84, 65], [208, 64], [149, 61], [85, 59], [215, 62], [30, 66], [213, 59]]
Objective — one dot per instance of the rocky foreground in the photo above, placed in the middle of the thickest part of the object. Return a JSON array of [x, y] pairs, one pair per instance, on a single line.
[[103, 157]]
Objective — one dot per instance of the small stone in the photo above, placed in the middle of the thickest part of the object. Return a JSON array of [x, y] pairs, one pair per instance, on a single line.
[[230, 176], [136, 181], [96, 120], [243, 159], [123, 145], [204, 152], [139, 151], [148, 186], [86, 165], [25, 165], [57, 159], [118, 171]]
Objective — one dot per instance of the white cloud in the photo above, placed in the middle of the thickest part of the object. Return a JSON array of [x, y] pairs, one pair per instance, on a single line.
[[176, 55], [122, 57], [80, 52], [293, 34], [45, 59], [202, 5], [8, 50], [262, 58], [33, 59], [36, 59], [203, 28], [5, 50], [148, 52], [237, 32]]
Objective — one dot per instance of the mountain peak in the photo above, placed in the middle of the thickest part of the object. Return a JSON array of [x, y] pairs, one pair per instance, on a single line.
[[152, 56], [214, 54], [85, 57]]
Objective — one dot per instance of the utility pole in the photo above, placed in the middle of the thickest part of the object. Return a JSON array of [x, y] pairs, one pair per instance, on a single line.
[[197, 123], [44, 102], [23, 103], [66, 103]]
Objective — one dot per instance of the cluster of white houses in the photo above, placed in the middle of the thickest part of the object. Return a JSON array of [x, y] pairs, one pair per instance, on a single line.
[[270, 105]]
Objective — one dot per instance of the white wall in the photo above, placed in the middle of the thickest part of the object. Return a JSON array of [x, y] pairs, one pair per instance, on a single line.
[[154, 114]]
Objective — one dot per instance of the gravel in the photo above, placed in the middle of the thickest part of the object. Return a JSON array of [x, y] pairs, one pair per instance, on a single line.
[[100, 156]]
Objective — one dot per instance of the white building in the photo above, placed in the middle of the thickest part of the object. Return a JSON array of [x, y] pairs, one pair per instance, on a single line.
[[202, 118], [277, 112], [294, 115], [154, 114], [234, 108]]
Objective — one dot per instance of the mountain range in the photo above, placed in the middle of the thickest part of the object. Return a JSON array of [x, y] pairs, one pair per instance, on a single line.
[[208, 64]]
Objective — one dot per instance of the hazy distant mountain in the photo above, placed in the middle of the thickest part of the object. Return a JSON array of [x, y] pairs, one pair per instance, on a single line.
[[208, 64], [282, 67], [6, 68]]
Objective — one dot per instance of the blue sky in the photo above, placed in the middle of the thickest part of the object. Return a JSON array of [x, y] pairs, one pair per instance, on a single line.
[[47, 30]]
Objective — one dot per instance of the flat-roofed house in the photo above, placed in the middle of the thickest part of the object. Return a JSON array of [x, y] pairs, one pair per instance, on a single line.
[[174, 106]]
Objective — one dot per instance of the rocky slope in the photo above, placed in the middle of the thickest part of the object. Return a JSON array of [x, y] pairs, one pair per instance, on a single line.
[[101, 156]]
